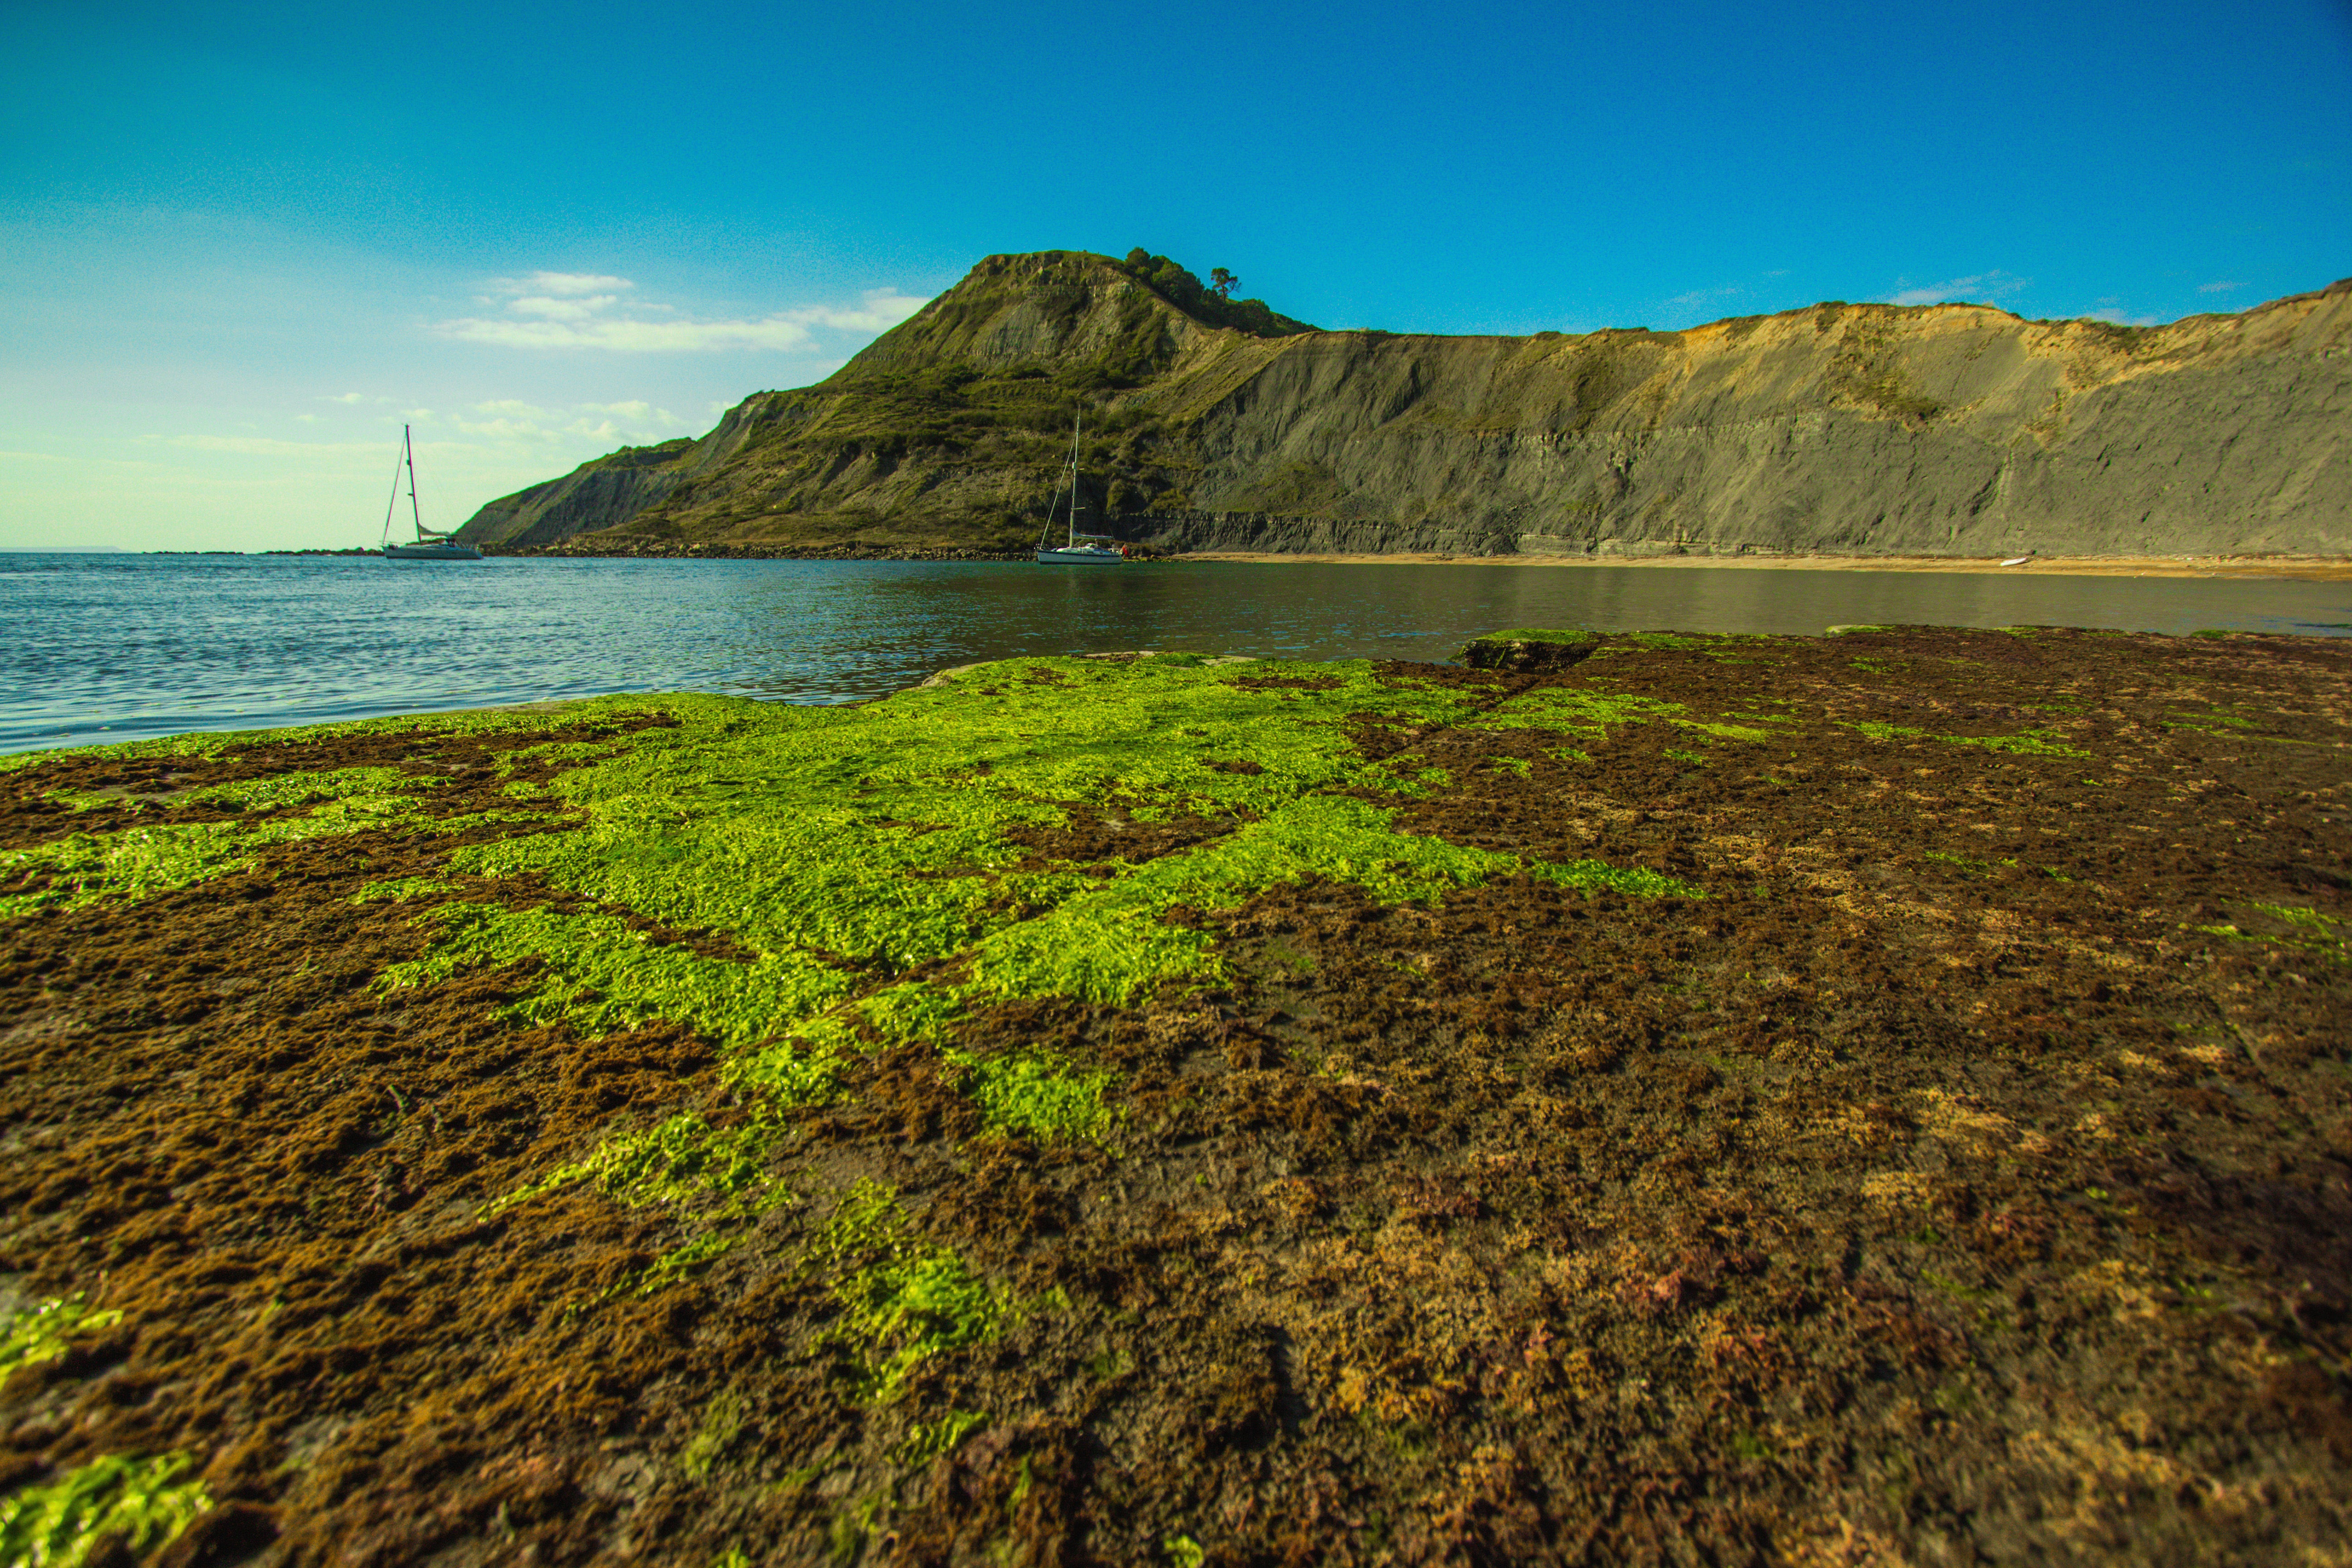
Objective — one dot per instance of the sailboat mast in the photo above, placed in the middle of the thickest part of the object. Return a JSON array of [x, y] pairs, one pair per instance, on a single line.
[[391, 502], [408, 455], [1078, 421]]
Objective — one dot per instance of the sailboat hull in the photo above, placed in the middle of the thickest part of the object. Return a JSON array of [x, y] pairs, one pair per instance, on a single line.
[[431, 553], [1079, 557]]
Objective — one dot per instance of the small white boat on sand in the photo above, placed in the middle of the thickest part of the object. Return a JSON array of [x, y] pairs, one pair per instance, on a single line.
[[1083, 549], [427, 546]]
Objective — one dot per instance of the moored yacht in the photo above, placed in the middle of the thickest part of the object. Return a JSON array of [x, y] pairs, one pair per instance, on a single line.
[[1083, 549], [425, 546]]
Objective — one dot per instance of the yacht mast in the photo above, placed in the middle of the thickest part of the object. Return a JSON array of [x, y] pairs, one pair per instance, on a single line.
[[1076, 421], [391, 502], [408, 455]]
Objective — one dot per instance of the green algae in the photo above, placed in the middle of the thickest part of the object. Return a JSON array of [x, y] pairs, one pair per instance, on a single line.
[[1538, 633], [837, 850], [681, 1263], [599, 974], [1723, 647], [1039, 1094], [928, 1441], [136, 863], [41, 1332], [1752, 734], [400, 889], [909, 1299], [722, 1421], [281, 791], [2308, 931], [139, 1502], [1599, 876], [2213, 723], [880, 833], [790, 1074], [1581, 711], [911, 1012], [1110, 944], [677, 1159], [2027, 742], [1977, 867], [216, 745], [82, 869]]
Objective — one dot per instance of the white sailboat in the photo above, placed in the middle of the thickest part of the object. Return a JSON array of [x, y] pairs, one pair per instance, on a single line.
[[427, 546], [1083, 549]]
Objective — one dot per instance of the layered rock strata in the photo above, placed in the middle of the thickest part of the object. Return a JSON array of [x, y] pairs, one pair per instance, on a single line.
[[1860, 429]]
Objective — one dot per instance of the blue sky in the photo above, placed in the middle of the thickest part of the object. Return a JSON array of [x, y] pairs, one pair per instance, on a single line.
[[238, 249]]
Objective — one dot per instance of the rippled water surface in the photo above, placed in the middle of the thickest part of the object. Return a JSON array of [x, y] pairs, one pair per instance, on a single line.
[[103, 648]]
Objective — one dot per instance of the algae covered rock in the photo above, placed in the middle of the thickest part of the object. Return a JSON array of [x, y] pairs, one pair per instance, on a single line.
[[1530, 649], [765, 1130]]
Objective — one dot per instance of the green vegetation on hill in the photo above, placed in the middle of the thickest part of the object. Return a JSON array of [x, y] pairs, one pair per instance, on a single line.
[[1222, 423], [1183, 291]]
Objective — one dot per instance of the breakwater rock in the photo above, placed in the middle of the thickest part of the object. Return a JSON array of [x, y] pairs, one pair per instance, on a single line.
[[1149, 1107], [1843, 428]]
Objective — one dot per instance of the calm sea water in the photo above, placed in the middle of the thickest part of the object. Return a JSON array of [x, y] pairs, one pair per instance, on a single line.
[[108, 647]]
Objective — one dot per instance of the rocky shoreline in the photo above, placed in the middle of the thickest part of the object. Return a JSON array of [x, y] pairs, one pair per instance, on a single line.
[[2306, 567], [1871, 1097]]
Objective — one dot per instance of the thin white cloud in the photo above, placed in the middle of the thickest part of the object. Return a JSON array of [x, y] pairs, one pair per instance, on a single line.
[[883, 310], [586, 311], [1979, 288], [562, 283], [269, 445], [506, 430], [629, 335], [1701, 299], [346, 397], [554, 309], [510, 419], [2223, 287]]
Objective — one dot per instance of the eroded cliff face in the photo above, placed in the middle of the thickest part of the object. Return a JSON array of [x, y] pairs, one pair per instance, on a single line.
[[1951, 429]]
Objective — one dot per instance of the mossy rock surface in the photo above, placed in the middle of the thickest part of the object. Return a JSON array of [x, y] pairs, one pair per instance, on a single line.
[[1526, 648], [1166, 1110]]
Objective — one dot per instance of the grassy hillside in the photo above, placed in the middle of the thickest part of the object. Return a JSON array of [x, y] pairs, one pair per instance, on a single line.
[[951, 430], [1934, 429]]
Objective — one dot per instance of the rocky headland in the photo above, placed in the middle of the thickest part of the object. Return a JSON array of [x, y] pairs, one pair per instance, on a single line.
[[1865, 430]]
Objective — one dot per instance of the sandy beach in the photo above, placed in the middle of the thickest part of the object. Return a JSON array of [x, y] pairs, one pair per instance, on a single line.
[[2306, 568]]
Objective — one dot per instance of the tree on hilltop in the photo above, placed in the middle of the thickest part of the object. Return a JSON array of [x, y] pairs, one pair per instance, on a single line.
[[1213, 303]]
